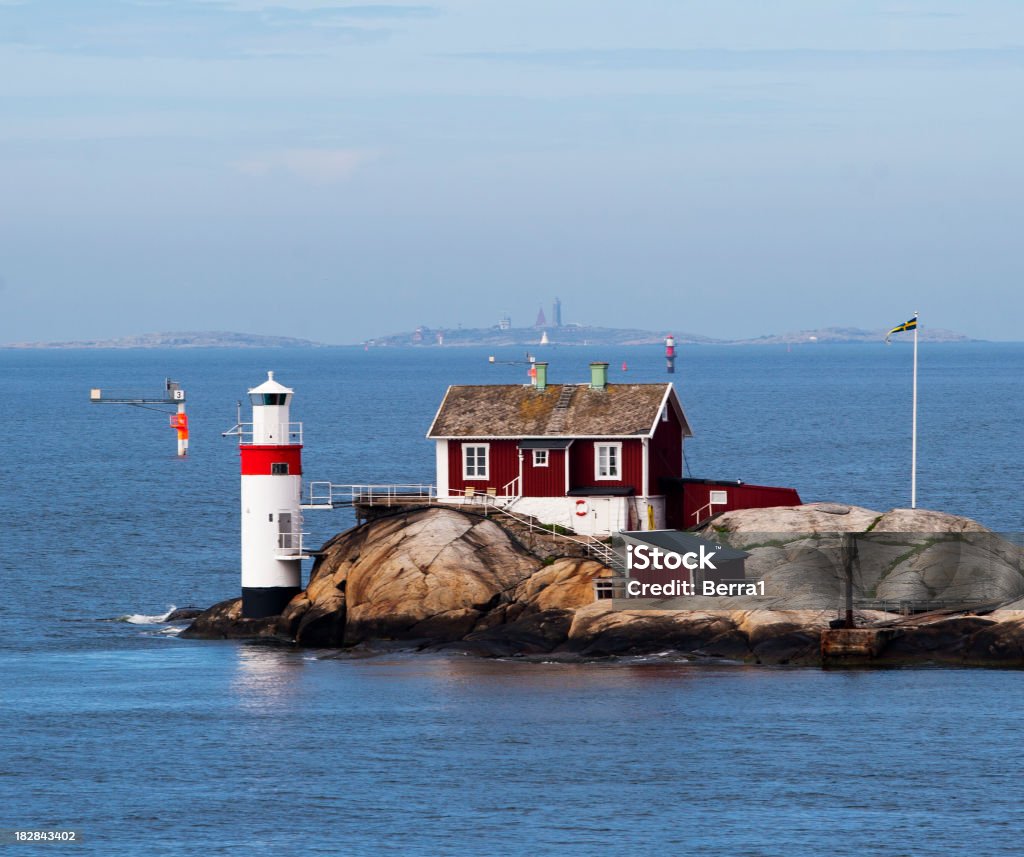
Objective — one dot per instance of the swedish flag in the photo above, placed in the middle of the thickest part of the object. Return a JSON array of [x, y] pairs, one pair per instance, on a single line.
[[899, 328]]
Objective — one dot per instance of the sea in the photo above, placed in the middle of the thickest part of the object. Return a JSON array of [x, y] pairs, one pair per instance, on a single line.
[[138, 742]]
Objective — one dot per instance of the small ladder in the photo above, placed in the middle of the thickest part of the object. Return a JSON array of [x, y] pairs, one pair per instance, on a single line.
[[557, 421]]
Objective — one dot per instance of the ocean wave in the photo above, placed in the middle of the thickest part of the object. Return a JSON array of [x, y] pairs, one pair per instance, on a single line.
[[142, 619]]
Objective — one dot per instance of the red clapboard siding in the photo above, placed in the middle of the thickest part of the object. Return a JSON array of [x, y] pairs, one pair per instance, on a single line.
[[697, 494], [665, 452], [544, 481], [503, 465], [581, 465]]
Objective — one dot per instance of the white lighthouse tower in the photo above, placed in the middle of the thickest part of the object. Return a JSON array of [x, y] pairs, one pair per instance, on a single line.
[[271, 454]]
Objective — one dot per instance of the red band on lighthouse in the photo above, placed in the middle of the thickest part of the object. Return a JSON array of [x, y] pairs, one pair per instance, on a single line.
[[271, 460]]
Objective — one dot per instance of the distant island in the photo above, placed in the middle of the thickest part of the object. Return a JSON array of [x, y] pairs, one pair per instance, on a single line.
[[497, 336], [584, 335], [202, 339]]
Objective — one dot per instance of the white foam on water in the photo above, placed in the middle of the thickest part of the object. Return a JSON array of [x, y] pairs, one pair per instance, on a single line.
[[142, 619]]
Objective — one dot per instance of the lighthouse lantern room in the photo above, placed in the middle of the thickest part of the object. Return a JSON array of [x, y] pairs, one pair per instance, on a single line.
[[271, 458]]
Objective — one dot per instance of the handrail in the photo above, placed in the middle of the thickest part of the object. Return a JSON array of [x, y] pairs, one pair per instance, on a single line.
[[594, 548], [245, 432], [697, 515], [325, 493]]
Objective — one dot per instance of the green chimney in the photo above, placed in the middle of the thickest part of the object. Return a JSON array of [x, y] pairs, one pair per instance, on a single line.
[[541, 378], [598, 376]]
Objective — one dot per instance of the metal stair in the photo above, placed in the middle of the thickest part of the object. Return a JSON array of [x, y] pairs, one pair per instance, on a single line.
[[590, 545]]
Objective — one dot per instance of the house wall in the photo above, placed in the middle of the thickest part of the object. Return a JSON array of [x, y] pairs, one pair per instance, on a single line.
[[503, 466], [581, 465], [601, 515], [544, 481], [695, 497], [665, 452]]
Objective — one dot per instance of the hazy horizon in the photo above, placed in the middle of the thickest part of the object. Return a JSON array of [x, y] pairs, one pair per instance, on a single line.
[[337, 171]]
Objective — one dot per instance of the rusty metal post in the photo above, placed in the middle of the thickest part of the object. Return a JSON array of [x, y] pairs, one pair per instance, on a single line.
[[849, 555]]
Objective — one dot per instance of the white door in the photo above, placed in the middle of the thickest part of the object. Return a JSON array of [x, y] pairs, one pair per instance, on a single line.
[[603, 515]]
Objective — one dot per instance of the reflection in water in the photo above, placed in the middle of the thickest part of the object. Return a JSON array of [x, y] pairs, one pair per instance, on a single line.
[[266, 676], [536, 676]]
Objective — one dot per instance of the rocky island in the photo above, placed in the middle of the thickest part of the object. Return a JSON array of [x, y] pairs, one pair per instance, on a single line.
[[443, 579]]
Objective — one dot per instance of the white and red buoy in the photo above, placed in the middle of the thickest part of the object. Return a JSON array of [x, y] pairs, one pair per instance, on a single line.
[[271, 456]]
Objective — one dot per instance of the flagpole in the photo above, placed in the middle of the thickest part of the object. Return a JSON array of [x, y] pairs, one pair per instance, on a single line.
[[913, 431]]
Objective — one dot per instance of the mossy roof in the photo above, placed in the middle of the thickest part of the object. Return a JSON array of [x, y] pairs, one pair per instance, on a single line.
[[513, 411]]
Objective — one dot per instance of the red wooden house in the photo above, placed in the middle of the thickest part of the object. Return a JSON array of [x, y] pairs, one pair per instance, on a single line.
[[591, 457]]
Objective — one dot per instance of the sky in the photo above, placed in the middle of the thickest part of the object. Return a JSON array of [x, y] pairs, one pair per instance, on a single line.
[[343, 170]]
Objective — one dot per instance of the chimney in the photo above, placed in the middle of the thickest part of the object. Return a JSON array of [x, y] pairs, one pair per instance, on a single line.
[[540, 379], [598, 376]]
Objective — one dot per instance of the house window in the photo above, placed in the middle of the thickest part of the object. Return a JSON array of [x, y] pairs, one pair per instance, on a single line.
[[474, 461], [279, 468], [608, 461], [540, 458]]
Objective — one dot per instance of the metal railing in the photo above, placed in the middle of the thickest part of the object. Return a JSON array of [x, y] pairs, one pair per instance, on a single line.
[[511, 490], [592, 547], [290, 544], [292, 432], [323, 495], [333, 495], [709, 507]]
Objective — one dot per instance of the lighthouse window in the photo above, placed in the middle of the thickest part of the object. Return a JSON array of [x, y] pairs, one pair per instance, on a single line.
[[474, 461], [269, 398], [279, 468]]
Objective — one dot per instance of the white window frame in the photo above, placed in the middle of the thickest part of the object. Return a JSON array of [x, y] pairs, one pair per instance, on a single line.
[[541, 457], [617, 476], [486, 447]]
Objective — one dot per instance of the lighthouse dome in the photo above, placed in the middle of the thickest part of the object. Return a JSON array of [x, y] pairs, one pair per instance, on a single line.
[[270, 392]]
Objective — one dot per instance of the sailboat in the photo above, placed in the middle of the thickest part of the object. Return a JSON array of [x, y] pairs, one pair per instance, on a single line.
[[544, 338]]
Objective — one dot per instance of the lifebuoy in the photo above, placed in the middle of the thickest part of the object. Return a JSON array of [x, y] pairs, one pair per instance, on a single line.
[[581, 508]]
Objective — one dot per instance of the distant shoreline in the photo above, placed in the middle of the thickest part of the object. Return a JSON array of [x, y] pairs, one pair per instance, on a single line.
[[489, 337]]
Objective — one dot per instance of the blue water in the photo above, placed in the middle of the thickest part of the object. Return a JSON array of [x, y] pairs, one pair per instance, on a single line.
[[146, 743]]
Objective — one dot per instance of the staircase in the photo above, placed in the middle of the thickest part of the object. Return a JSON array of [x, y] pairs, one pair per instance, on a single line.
[[561, 544]]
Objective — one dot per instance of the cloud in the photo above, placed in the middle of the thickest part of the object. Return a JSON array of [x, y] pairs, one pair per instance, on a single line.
[[235, 29], [339, 9], [742, 60], [318, 166]]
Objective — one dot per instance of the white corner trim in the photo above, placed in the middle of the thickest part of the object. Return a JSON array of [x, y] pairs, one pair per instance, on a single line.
[[441, 460]]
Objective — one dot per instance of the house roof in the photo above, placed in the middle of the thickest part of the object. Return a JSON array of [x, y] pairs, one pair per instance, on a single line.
[[513, 411]]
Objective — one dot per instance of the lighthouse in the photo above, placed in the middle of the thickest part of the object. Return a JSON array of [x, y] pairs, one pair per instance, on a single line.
[[271, 453], [670, 354]]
